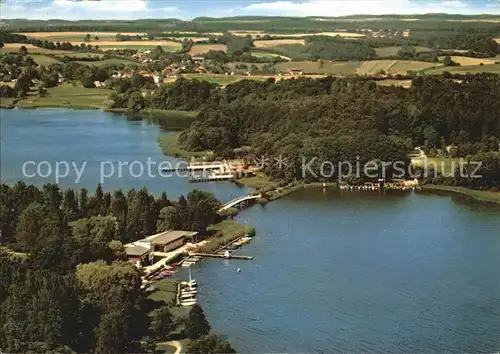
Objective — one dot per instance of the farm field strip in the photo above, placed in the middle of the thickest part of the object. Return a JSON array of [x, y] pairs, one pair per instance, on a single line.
[[277, 42], [198, 49]]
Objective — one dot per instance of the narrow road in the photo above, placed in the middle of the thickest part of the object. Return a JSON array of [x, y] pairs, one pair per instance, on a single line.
[[173, 343]]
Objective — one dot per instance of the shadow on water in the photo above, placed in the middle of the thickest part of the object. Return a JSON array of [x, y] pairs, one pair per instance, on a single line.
[[166, 120], [466, 201]]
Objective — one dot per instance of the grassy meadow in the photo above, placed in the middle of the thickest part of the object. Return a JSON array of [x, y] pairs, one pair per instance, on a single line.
[[326, 67], [199, 49], [222, 80], [469, 69], [67, 95], [393, 51], [169, 144], [272, 43], [393, 67], [14, 48]]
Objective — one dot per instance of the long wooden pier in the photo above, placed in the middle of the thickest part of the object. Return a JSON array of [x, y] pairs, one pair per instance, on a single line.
[[231, 256]]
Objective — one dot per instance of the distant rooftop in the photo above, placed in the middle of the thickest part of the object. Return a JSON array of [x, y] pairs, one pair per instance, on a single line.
[[136, 251], [163, 238]]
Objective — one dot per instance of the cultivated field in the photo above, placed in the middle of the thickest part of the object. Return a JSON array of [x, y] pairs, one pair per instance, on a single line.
[[392, 66], [392, 51], [402, 83], [47, 35], [14, 48], [268, 55], [334, 68], [277, 43], [166, 45], [466, 61], [471, 69], [45, 60], [198, 49], [331, 34], [222, 80], [194, 39], [246, 33]]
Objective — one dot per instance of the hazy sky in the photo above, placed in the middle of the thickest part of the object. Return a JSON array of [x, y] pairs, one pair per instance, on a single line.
[[133, 9]]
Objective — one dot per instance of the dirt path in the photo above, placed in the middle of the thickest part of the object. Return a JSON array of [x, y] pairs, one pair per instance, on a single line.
[[173, 343]]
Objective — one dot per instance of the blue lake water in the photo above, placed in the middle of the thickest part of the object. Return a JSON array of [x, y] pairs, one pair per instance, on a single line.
[[360, 273], [102, 140], [333, 272]]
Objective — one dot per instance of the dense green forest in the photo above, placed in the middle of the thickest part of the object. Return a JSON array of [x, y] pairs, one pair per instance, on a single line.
[[338, 119], [68, 287]]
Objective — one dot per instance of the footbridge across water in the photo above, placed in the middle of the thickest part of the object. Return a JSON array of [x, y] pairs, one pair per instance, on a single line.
[[239, 200]]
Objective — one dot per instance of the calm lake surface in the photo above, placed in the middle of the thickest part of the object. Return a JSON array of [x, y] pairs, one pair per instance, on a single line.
[[95, 137], [333, 272], [360, 273]]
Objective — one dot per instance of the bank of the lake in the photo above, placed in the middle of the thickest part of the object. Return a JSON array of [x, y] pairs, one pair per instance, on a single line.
[[477, 195]]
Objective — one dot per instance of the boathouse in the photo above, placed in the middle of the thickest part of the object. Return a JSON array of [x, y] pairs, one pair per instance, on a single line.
[[167, 241], [170, 240], [138, 255]]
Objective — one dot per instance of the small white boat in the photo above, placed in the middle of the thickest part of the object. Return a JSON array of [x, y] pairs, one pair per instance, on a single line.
[[187, 264], [188, 303], [189, 291], [185, 297]]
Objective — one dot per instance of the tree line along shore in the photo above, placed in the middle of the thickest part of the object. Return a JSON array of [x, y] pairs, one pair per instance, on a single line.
[[62, 253], [330, 119]]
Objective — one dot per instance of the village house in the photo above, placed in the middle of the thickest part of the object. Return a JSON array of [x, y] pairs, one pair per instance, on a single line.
[[198, 60]]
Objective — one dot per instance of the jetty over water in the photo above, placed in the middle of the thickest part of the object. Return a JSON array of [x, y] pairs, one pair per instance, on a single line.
[[211, 255], [239, 200]]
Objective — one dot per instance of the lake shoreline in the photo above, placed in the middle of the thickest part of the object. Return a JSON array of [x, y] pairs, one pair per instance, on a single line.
[[485, 197]]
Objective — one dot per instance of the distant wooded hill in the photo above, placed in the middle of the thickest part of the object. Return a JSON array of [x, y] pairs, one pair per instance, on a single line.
[[434, 22]]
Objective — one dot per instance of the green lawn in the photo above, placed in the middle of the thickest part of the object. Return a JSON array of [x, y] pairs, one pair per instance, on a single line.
[[170, 146], [167, 291], [259, 181], [45, 60], [7, 102], [226, 231], [67, 95]]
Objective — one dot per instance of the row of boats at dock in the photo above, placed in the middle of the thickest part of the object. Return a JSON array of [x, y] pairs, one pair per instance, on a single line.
[[188, 290], [382, 185], [189, 261]]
